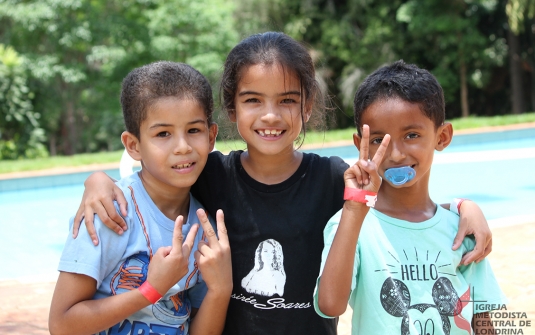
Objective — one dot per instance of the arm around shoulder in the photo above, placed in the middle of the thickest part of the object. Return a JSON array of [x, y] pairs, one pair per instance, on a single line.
[[472, 222]]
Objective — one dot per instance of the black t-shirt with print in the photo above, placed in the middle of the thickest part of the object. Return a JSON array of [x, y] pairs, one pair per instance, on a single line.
[[276, 240]]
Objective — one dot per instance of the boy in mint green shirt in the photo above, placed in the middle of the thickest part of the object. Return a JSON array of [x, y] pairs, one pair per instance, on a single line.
[[394, 263]]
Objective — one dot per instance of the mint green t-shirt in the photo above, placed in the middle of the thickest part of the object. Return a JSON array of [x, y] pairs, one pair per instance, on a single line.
[[406, 278]]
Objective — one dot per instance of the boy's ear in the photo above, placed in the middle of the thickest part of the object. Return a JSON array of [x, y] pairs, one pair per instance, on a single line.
[[444, 136], [131, 144], [212, 135], [356, 140]]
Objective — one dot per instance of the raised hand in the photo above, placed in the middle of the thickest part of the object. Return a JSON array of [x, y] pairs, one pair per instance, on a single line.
[[169, 264], [364, 173], [213, 256]]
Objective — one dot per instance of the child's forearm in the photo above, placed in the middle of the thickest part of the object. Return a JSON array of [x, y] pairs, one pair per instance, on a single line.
[[210, 318], [335, 282], [92, 316], [482, 323]]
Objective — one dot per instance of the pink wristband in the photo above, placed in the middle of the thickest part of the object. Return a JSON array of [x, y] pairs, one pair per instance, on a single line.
[[149, 292], [358, 195]]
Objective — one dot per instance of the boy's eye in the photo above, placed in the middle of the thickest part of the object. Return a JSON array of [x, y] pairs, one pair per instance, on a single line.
[[163, 134], [413, 135], [194, 130], [376, 140]]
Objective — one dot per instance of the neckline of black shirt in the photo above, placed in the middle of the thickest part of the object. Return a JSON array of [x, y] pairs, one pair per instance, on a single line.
[[296, 176]]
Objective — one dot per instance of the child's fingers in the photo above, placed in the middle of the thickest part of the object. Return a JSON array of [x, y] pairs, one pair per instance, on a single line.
[[365, 143], [381, 151], [89, 218], [354, 177], [190, 241], [222, 228], [108, 215], [178, 238], [164, 251], [123, 206], [207, 227], [482, 248], [77, 221]]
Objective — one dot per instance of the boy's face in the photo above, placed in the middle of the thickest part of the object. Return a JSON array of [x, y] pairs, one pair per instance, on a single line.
[[175, 140], [414, 137]]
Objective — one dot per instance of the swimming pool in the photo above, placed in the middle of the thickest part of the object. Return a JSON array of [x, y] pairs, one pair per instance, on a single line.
[[495, 169]]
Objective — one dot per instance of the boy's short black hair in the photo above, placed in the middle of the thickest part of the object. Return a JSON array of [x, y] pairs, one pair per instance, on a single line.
[[404, 81], [143, 86]]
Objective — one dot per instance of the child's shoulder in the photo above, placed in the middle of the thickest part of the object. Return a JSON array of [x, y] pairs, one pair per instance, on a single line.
[[131, 186], [331, 160]]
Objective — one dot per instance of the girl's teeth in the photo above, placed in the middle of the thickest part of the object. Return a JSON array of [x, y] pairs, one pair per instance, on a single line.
[[269, 132]]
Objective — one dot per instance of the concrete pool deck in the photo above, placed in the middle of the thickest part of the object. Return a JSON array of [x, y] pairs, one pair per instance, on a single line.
[[25, 304]]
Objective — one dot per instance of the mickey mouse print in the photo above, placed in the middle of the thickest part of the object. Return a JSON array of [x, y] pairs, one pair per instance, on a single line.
[[424, 317]]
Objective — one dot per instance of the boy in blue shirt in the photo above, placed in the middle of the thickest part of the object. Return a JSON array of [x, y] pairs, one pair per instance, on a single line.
[[150, 280], [394, 263]]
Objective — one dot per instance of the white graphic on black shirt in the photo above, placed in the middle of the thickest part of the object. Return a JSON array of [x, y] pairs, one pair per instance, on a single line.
[[267, 278]]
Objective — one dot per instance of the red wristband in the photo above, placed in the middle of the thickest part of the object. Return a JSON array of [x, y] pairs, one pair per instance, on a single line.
[[358, 195], [149, 292]]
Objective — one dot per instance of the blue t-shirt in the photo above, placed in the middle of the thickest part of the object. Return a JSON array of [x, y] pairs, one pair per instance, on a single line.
[[120, 262], [407, 279]]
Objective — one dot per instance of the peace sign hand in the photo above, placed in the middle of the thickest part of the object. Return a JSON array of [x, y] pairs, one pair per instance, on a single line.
[[213, 256], [169, 264], [364, 174]]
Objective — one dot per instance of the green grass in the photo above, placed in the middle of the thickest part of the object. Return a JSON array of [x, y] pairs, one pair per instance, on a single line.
[[312, 138], [7, 166], [491, 121]]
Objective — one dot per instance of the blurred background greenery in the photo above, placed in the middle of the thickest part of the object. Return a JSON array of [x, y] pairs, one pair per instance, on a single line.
[[62, 61]]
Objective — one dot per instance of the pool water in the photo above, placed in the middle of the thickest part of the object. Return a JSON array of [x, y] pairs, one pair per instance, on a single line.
[[497, 170]]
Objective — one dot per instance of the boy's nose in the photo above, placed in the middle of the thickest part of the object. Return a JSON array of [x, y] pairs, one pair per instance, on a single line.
[[396, 152], [182, 146]]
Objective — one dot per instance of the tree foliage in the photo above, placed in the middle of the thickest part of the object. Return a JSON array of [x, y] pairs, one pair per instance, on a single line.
[[78, 51], [73, 54], [20, 133]]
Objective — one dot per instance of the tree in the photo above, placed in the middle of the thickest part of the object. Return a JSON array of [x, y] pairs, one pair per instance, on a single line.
[[20, 134], [520, 14], [445, 38]]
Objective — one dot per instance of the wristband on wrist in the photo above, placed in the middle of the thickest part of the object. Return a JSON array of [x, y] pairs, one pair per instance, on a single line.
[[149, 292], [358, 195], [455, 205]]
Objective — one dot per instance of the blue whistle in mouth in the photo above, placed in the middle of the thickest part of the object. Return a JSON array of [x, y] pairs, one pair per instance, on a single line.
[[400, 175]]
